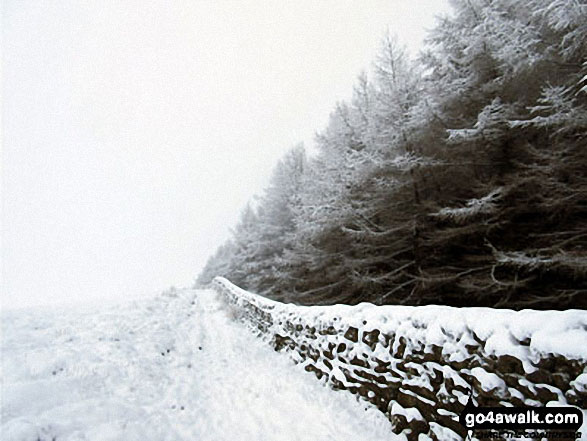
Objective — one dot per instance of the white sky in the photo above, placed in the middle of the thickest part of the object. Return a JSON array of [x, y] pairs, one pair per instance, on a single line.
[[135, 131]]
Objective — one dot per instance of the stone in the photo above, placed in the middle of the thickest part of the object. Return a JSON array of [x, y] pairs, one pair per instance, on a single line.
[[421, 391], [560, 380], [359, 362], [398, 423], [411, 371], [311, 368], [371, 338], [399, 353], [382, 366], [576, 398], [545, 395], [352, 334], [280, 342], [328, 331], [509, 364], [418, 427], [540, 376], [432, 353], [437, 378]]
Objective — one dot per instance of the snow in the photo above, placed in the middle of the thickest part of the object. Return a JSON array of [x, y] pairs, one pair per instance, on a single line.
[[488, 380], [474, 207], [410, 413], [444, 433], [502, 330], [175, 367], [502, 342], [416, 396], [580, 383], [523, 260], [423, 381]]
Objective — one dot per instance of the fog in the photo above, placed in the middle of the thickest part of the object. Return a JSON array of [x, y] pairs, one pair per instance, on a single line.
[[134, 132]]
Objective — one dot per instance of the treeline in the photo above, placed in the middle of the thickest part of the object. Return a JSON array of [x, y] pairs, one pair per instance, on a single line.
[[457, 178]]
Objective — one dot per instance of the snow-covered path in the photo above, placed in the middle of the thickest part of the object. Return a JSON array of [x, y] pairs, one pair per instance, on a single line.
[[171, 368]]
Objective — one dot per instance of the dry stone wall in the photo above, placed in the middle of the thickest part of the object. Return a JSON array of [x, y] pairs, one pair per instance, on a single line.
[[419, 370]]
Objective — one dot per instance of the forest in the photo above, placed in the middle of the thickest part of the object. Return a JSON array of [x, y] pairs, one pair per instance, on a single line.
[[456, 177]]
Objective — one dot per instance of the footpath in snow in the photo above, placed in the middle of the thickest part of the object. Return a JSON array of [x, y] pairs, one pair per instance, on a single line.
[[176, 367]]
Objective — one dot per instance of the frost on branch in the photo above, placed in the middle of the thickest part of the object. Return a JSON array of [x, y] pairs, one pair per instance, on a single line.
[[475, 207], [584, 79], [491, 124], [409, 161], [557, 108], [577, 264]]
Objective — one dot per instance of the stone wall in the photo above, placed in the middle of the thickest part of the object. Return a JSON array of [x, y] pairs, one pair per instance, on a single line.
[[416, 372]]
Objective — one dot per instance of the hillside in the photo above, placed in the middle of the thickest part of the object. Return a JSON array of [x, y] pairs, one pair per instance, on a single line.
[[176, 367]]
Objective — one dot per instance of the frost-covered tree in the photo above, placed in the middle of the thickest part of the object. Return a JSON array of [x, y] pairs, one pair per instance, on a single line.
[[457, 179], [276, 223], [219, 264]]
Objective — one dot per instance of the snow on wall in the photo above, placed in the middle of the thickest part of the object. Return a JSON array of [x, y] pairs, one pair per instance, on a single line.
[[418, 364]]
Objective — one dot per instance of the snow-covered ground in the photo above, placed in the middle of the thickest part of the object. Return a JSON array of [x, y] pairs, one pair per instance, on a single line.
[[176, 367]]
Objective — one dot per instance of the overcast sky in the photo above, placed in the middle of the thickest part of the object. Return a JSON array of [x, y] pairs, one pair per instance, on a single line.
[[134, 132]]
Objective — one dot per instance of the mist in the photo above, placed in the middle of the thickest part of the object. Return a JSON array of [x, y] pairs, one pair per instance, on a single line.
[[135, 132]]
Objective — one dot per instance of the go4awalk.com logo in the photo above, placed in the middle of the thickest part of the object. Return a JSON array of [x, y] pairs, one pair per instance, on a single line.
[[524, 422]]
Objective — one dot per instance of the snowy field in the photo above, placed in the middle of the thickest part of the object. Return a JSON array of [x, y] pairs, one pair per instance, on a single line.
[[175, 367]]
